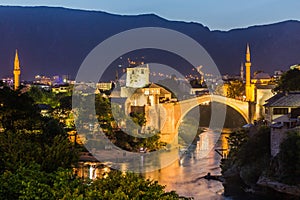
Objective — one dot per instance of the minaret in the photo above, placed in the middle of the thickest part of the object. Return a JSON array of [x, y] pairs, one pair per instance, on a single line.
[[242, 72], [249, 94], [17, 71], [117, 84]]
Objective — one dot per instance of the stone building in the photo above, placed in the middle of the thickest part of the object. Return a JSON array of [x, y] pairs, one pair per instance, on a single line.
[[282, 113]]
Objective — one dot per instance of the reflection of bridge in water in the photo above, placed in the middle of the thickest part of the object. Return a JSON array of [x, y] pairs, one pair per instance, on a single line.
[[167, 117]]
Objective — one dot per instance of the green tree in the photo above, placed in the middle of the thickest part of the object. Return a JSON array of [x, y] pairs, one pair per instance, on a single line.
[[250, 156], [134, 122], [25, 130], [138, 118], [289, 81], [289, 159], [17, 111], [41, 96], [236, 89], [36, 160], [32, 183], [128, 186]]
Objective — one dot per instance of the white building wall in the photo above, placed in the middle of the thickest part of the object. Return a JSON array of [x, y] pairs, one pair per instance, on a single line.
[[138, 77]]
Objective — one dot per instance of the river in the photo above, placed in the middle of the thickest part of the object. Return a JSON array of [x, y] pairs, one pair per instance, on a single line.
[[185, 175]]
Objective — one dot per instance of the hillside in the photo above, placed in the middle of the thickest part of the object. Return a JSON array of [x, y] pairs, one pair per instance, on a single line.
[[56, 40]]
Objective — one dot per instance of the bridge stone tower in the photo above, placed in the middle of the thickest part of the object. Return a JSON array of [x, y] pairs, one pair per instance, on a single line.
[[17, 72]]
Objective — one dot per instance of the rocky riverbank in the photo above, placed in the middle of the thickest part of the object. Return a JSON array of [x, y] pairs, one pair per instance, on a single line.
[[250, 170], [279, 187], [265, 188]]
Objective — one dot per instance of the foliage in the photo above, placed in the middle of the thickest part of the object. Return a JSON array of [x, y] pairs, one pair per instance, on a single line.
[[251, 155], [65, 102], [129, 186], [17, 111], [41, 96], [33, 183], [138, 118], [235, 142], [289, 159], [36, 158], [49, 152], [130, 142], [289, 81], [236, 89], [258, 146], [25, 130]]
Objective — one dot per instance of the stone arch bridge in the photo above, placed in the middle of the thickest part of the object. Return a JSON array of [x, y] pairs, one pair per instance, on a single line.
[[167, 117]]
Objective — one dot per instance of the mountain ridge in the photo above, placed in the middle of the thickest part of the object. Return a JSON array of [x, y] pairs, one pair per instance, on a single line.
[[50, 39]]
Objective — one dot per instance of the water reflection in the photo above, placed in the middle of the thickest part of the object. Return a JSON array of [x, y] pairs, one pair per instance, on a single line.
[[185, 176]]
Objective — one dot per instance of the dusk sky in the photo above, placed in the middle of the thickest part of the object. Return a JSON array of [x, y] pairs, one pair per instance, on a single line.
[[216, 14]]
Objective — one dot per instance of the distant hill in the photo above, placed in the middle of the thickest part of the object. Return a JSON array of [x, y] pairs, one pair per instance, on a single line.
[[56, 40]]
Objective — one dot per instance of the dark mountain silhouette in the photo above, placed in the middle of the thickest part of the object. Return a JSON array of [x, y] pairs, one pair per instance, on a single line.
[[56, 40]]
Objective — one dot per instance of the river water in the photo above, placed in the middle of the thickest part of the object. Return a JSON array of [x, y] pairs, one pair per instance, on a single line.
[[186, 175]]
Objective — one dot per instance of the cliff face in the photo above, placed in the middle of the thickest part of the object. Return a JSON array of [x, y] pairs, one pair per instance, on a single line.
[[56, 40]]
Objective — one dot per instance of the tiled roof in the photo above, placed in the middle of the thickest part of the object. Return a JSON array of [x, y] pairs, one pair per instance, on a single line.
[[292, 99], [262, 75], [265, 86], [162, 89]]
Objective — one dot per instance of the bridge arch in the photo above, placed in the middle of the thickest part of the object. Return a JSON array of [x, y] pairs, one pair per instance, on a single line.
[[187, 105]]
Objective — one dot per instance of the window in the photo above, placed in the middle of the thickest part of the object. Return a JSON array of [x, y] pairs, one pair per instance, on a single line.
[[142, 71], [280, 111]]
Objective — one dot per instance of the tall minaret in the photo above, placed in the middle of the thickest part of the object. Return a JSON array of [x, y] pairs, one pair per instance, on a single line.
[[249, 93], [242, 72], [17, 71]]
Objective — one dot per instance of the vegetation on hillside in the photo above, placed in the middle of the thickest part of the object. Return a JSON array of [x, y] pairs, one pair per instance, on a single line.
[[36, 160], [249, 160], [285, 167], [289, 81], [249, 156]]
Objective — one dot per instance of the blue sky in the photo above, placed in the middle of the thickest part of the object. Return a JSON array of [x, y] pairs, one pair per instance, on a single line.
[[216, 14]]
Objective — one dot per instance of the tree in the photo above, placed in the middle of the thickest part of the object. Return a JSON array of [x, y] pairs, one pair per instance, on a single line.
[[138, 118], [236, 89], [36, 162], [25, 130], [32, 183], [41, 96], [17, 111], [289, 159], [289, 81], [249, 156], [128, 186], [130, 142]]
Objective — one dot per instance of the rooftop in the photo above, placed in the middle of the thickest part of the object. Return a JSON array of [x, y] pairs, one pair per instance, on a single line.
[[291, 99], [262, 75]]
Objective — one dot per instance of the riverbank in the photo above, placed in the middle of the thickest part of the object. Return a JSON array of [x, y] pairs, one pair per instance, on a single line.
[[249, 169], [292, 190], [265, 189]]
